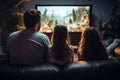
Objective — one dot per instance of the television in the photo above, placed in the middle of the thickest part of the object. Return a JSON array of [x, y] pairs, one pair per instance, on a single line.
[[74, 17]]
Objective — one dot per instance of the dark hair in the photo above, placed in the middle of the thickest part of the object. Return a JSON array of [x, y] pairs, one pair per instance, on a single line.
[[60, 41], [31, 17], [91, 45]]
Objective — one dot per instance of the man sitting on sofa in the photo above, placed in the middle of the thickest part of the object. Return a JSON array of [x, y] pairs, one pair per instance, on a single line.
[[29, 46]]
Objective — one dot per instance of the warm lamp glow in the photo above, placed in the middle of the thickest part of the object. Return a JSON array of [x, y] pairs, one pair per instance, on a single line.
[[21, 1]]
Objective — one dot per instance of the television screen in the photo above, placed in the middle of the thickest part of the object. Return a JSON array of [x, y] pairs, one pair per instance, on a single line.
[[74, 17]]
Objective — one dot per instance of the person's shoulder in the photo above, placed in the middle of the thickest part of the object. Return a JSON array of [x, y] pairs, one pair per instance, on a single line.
[[43, 37], [41, 34], [15, 33]]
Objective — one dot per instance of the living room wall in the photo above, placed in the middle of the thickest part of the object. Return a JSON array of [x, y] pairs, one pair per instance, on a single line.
[[100, 9]]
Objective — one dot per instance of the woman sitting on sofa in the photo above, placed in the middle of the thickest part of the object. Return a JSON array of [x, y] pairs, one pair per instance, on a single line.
[[60, 51], [91, 46]]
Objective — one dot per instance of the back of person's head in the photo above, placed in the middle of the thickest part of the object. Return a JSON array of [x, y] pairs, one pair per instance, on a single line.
[[91, 35], [91, 45], [60, 41], [31, 17], [60, 35]]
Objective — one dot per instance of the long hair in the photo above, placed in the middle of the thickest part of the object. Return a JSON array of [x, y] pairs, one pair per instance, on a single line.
[[91, 45], [60, 41]]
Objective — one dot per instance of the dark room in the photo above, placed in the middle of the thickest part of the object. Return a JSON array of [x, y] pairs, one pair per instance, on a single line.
[[59, 39]]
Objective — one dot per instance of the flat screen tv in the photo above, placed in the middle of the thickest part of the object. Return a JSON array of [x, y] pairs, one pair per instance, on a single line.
[[74, 17]]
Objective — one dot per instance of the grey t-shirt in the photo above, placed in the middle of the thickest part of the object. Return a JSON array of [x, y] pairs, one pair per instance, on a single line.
[[28, 47]]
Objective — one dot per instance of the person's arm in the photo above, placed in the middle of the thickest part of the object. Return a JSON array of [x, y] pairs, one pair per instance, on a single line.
[[46, 54], [113, 45], [117, 50], [72, 53], [47, 41]]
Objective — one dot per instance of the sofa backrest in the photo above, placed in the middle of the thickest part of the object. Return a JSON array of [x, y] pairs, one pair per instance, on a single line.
[[95, 70], [29, 72]]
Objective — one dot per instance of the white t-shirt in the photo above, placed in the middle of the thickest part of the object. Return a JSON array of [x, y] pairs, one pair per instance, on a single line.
[[28, 47]]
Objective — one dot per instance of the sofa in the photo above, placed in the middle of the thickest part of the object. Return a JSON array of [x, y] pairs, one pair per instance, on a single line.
[[108, 69]]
